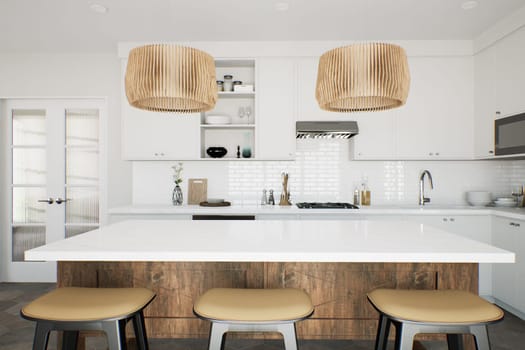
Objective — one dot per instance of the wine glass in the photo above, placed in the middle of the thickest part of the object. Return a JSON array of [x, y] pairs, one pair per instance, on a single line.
[[242, 113], [248, 111]]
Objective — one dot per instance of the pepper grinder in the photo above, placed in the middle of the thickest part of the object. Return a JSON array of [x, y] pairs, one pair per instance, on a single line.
[[271, 200], [264, 199]]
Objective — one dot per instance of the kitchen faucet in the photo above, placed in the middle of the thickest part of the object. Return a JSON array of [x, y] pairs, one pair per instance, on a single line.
[[422, 198]]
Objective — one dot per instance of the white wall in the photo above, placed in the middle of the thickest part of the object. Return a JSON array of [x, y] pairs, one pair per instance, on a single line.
[[322, 172], [74, 75]]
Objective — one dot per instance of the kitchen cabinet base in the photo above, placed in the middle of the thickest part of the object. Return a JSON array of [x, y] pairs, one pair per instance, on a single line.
[[338, 290]]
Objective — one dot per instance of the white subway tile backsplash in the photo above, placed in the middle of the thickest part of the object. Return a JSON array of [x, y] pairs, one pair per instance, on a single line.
[[322, 171]]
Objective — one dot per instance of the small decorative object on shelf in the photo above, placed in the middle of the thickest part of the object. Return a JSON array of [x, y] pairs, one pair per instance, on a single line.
[[228, 82], [216, 152], [176, 195], [238, 151], [246, 152]]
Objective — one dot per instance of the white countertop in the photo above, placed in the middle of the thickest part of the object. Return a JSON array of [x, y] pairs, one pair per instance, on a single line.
[[512, 213], [283, 240]]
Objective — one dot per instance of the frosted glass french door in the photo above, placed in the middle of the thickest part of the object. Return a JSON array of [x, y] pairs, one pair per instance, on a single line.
[[54, 188]]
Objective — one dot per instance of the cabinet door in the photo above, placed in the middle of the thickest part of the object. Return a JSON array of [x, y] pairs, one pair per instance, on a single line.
[[519, 249], [484, 104], [437, 120], [376, 138], [473, 227], [509, 80], [276, 113], [504, 235], [158, 136]]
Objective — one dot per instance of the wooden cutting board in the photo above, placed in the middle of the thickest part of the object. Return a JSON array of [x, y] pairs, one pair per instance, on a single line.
[[197, 191]]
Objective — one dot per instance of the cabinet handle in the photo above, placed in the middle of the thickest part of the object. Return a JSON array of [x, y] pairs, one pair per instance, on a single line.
[[515, 224], [430, 153], [445, 219], [60, 200], [437, 153], [498, 112], [491, 152], [452, 219]]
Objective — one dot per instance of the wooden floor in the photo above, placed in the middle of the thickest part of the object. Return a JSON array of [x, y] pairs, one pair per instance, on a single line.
[[17, 333]]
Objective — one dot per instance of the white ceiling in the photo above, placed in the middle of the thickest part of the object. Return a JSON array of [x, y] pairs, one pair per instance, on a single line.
[[71, 26]]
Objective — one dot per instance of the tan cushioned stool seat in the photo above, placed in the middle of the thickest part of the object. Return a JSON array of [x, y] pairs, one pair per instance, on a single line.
[[88, 304], [434, 306], [254, 305]]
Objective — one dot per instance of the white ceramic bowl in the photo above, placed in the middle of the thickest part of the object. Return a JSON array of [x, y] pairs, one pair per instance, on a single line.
[[479, 198], [218, 119], [215, 200]]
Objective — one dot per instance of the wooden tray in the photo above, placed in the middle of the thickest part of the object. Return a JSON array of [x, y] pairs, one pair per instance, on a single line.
[[219, 204]]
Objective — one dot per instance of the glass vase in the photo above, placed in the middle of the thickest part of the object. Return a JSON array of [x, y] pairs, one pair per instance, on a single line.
[[176, 196]]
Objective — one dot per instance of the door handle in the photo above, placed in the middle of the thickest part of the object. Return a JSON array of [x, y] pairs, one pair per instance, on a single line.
[[60, 200], [48, 201]]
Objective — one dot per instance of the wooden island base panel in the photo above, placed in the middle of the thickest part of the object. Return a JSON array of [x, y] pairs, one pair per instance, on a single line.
[[338, 290]]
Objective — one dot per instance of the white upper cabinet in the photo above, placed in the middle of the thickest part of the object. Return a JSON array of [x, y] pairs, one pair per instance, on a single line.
[[275, 126], [499, 88], [437, 120], [509, 79], [158, 136], [376, 138], [484, 104]]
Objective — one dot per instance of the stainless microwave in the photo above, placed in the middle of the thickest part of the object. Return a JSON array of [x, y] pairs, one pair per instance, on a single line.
[[509, 135]]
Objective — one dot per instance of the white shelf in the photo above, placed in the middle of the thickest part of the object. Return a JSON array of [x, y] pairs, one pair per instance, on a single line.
[[234, 94], [228, 159], [227, 126]]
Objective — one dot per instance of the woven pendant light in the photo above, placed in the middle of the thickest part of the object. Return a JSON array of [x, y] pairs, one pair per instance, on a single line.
[[171, 78], [363, 77]]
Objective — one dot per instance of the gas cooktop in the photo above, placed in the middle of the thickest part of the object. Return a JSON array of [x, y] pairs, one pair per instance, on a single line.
[[325, 205]]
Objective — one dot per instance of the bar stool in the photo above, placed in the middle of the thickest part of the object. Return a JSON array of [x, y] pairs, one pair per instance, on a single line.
[[103, 309], [253, 310], [451, 312]]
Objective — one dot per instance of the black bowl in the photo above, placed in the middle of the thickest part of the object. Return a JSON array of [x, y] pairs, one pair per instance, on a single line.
[[216, 152]]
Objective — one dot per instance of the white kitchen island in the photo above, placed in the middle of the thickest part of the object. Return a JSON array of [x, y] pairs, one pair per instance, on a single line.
[[270, 241], [336, 262]]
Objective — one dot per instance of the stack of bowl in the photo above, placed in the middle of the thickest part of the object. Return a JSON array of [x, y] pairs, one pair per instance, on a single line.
[[479, 198]]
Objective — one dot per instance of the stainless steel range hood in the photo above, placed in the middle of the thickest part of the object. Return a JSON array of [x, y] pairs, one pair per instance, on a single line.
[[326, 130]]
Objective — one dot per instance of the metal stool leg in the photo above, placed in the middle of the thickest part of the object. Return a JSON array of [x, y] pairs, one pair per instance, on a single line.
[[116, 334], [70, 340], [383, 329], [289, 335], [455, 341], [405, 336], [41, 335], [482, 337], [217, 333], [140, 331]]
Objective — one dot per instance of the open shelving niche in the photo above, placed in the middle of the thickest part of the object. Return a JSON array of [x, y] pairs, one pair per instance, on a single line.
[[241, 131]]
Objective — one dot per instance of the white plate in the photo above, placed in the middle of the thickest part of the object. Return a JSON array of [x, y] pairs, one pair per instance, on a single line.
[[506, 199], [504, 204], [217, 119]]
